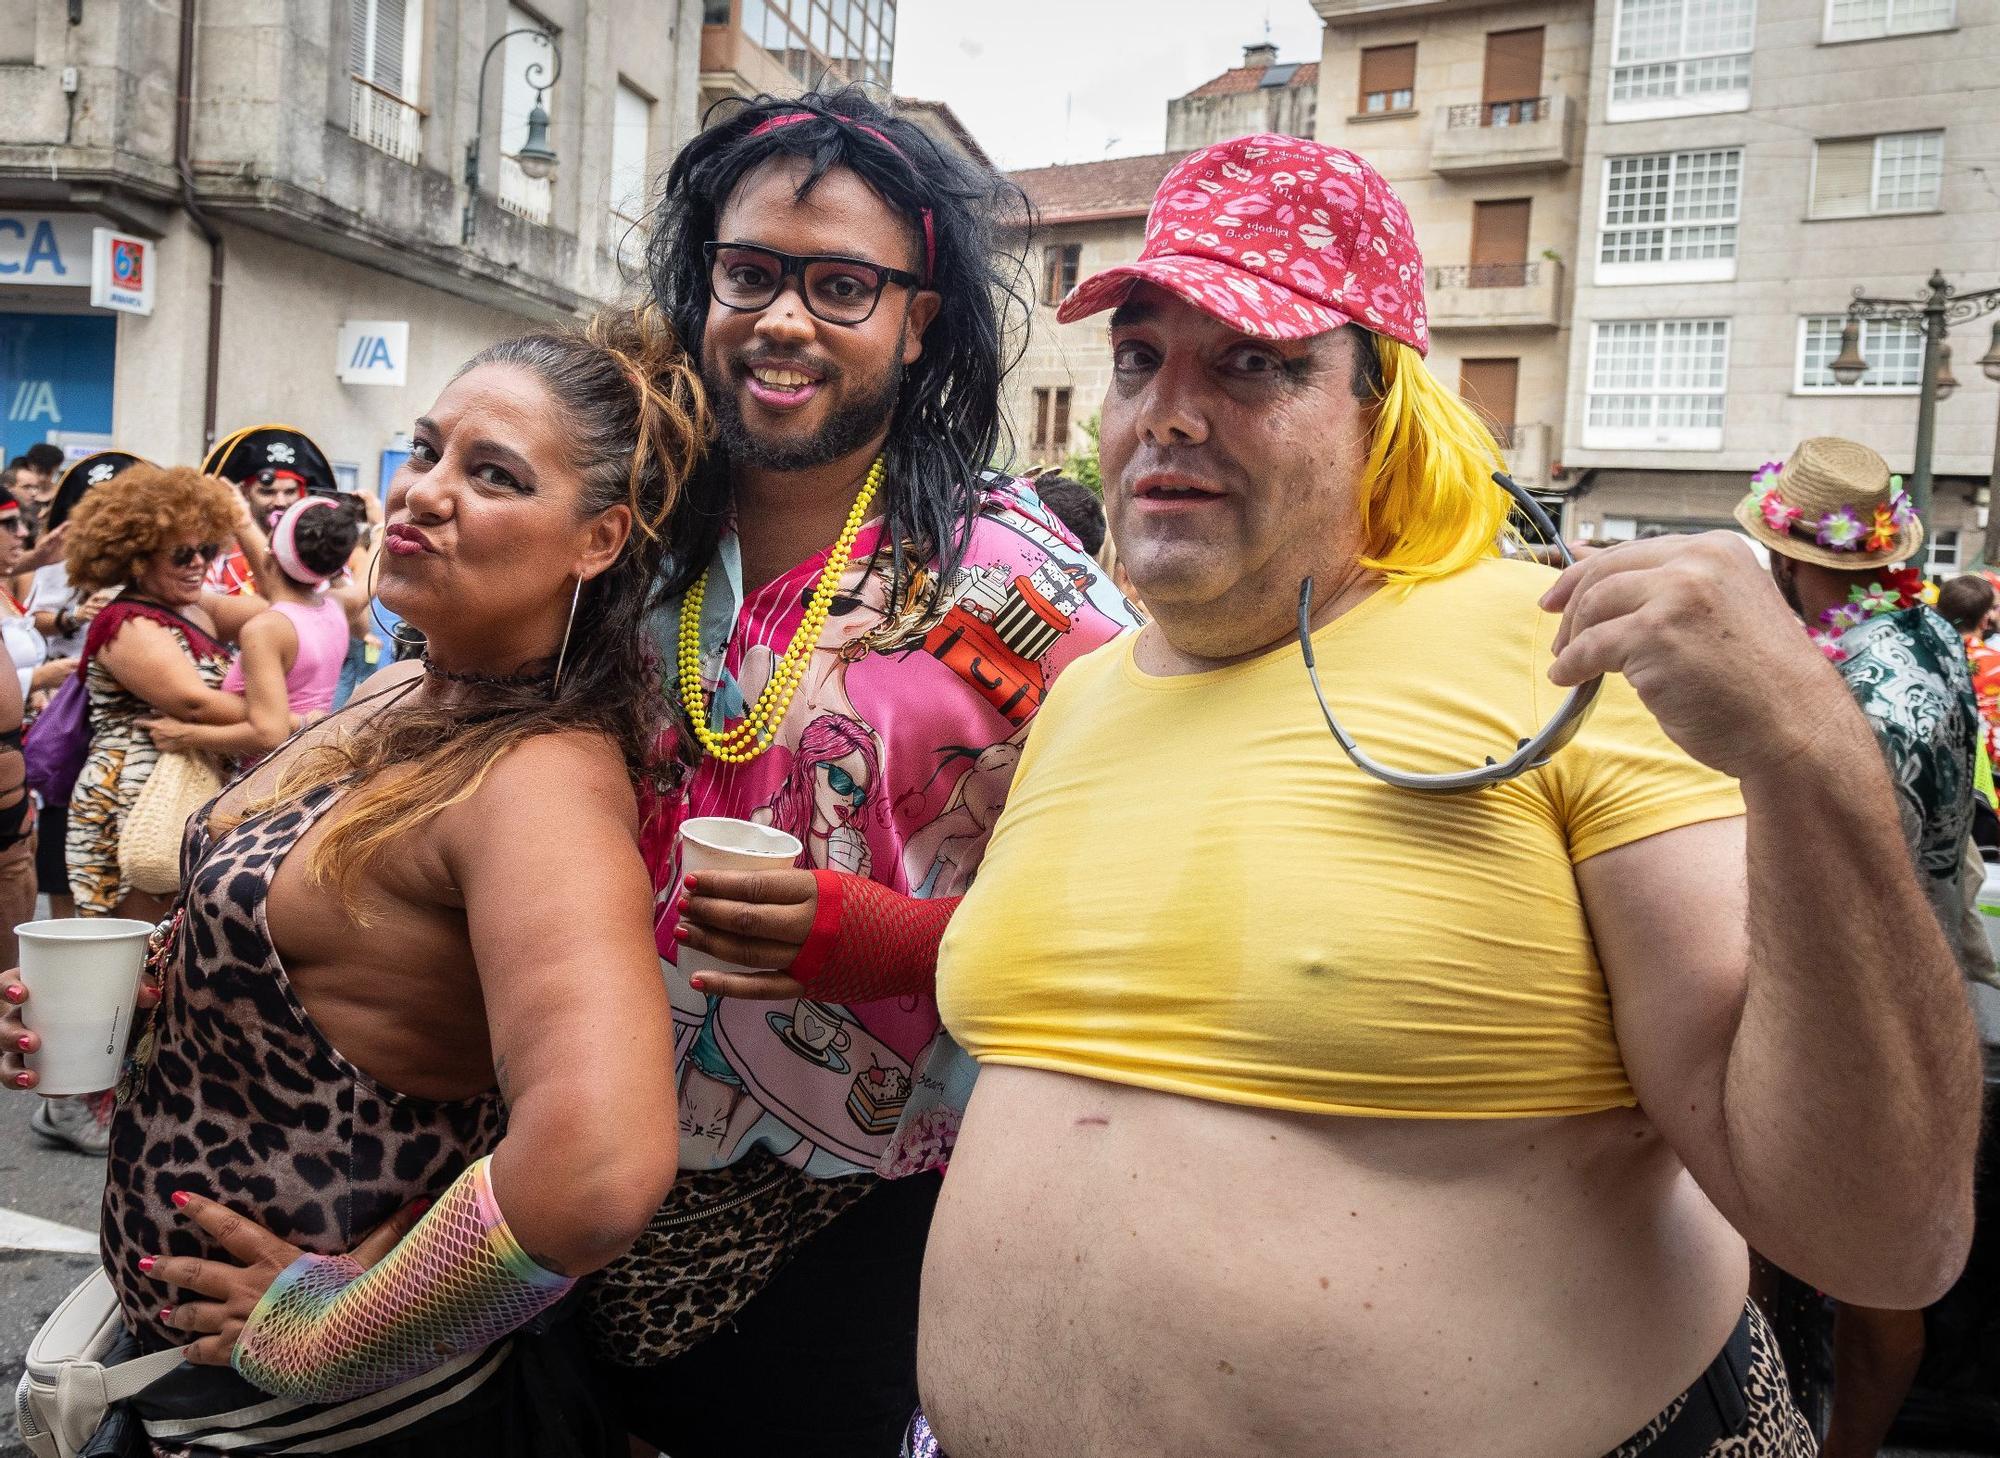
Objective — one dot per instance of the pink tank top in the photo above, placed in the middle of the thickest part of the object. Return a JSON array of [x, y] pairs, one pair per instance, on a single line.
[[322, 630]]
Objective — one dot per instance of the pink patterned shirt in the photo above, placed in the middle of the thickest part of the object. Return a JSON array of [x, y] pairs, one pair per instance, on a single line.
[[893, 762]]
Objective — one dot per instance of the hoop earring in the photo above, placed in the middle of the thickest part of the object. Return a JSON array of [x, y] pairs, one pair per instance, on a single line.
[[568, 628], [390, 630]]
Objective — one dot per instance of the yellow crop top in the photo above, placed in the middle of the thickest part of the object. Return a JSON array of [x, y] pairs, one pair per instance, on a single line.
[[1191, 888]]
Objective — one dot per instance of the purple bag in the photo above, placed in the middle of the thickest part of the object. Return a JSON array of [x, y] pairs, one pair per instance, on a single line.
[[58, 742]]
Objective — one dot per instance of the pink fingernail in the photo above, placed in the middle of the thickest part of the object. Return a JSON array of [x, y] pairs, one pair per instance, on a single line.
[[166, 1315], [181, 1198], [24, 1080], [146, 1264], [15, 992]]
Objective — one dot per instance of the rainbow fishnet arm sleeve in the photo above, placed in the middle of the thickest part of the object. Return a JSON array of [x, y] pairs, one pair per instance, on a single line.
[[868, 942], [330, 1329]]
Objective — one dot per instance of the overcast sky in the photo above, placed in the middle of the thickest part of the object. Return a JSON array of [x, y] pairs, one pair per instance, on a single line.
[[1042, 81]]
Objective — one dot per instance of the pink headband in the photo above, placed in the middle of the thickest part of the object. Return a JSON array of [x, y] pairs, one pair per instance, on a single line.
[[286, 550], [787, 118]]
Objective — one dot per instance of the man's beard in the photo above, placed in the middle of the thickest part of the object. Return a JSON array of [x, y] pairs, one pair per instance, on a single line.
[[845, 431]]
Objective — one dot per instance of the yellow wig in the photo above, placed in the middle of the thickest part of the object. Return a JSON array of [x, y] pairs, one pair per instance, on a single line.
[[1430, 506]]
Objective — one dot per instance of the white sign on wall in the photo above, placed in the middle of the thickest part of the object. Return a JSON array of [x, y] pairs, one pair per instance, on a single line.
[[373, 352], [121, 271], [51, 250]]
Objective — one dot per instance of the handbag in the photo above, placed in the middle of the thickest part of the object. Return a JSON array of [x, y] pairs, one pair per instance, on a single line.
[[149, 842], [58, 742], [68, 1389]]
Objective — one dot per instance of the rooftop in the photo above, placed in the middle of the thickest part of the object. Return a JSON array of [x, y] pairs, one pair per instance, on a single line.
[[1121, 187], [1254, 78], [946, 120]]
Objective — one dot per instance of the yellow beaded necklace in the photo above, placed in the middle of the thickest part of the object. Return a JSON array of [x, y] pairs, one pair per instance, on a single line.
[[754, 733]]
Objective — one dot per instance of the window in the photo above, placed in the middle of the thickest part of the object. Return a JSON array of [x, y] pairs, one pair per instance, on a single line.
[[1944, 552], [1853, 177], [630, 180], [1872, 19], [1670, 216], [1052, 421], [1894, 351], [383, 45], [1388, 78], [1059, 268], [1674, 57], [715, 12], [1657, 384]]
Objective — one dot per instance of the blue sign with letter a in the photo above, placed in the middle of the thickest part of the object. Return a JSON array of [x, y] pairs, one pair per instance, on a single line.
[[55, 375]]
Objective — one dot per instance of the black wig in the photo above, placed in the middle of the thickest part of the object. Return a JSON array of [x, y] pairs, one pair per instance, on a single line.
[[947, 423]]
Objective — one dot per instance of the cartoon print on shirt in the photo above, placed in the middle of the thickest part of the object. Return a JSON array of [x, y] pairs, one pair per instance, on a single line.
[[893, 761]]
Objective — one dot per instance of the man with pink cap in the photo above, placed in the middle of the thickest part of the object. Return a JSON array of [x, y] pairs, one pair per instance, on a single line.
[[1414, 1088]]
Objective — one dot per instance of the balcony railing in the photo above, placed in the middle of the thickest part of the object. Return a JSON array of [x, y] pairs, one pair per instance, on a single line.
[[525, 196], [1485, 275], [384, 120], [1500, 113]]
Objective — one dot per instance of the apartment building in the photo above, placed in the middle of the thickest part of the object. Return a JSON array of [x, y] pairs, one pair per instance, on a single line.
[[1748, 164], [1261, 95], [1474, 112], [316, 254], [1089, 216], [1092, 215], [779, 47]]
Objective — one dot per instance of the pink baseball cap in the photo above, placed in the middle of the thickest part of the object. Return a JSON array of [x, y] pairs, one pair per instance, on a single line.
[[1280, 238]]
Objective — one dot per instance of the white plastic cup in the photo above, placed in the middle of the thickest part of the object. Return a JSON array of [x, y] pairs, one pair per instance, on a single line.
[[82, 978], [718, 843]]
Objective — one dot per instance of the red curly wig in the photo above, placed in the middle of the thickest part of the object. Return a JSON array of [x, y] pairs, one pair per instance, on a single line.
[[136, 513]]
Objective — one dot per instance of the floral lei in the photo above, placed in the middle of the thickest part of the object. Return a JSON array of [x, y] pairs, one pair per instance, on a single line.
[[1904, 589], [1842, 529]]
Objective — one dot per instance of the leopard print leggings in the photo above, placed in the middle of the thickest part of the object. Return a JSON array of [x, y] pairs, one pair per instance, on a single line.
[[1772, 1428]]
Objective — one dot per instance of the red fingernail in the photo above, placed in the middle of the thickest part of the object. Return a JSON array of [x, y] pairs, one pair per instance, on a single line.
[[681, 906], [24, 1080], [166, 1315], [419, 1206], [687, 884], [682, 931], [698, 983], [181, 1197], [15, 992], [146, 1264]]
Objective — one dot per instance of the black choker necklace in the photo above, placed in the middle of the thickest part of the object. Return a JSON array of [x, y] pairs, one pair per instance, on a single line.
[[489, 680]]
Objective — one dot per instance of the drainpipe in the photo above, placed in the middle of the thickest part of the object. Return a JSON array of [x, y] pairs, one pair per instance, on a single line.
[[190, 203]]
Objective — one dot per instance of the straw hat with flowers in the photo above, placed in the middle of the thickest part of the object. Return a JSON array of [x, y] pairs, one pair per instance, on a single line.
[[1834, 503]]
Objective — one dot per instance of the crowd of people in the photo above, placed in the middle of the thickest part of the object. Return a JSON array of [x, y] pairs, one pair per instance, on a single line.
[[1168, 1037]]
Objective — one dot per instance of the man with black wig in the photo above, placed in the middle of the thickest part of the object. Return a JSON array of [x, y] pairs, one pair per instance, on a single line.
[[859, 624]]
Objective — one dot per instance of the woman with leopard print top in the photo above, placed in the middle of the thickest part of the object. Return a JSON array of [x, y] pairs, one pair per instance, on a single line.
[[410, 1075]]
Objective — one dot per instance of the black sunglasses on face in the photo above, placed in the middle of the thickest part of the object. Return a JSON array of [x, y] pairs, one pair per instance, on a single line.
[[834, 288], [185, 556]]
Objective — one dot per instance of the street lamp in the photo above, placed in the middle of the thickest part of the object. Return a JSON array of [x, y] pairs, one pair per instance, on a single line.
[[536, 159], [1940, 307]]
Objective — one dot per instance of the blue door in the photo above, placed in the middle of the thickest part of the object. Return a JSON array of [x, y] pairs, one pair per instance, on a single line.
[[55, 374]]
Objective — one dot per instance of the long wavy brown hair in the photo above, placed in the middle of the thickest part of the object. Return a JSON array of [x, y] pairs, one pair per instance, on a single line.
[[637, 422]]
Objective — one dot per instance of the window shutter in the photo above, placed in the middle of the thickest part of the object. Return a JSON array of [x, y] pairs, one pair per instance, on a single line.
[[1041, 419], [1388, 68], [386, 65], [1500, 231], [1489, 386], [1059, 425], [357, 37], [1513, 65], [1843, 177]]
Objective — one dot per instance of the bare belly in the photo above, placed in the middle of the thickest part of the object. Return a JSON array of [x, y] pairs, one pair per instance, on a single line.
[[1119, 1272]]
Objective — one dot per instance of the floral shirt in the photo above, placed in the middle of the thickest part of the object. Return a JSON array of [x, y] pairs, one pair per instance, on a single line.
[[893, 761], [1908, 672], [1985, 664]]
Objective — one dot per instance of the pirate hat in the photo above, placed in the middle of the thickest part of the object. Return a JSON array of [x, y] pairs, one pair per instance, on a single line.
[[92, 471], [281, 448]]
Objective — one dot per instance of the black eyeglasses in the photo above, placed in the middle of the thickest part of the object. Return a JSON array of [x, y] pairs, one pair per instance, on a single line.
[[1531, 753], [835, 289], [185, 556]]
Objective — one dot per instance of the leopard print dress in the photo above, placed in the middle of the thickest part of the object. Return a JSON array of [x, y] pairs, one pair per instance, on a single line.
[[242, 1098]]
